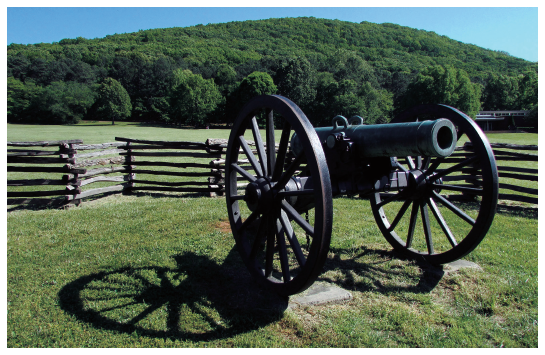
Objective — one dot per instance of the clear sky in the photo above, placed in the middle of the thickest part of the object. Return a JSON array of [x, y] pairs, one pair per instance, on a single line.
[[513, 30]]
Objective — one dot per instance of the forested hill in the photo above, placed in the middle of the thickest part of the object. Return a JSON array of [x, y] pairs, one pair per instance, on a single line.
[[388, 56]]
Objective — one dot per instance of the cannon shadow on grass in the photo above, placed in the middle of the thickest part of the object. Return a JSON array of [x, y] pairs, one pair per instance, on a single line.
[[197, 300], [370, 270]]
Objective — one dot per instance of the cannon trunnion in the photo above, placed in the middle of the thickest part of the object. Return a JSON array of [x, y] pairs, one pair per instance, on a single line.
[[279, 194]]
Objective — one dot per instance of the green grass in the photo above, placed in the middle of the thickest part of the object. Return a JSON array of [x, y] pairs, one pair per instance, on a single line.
[[142, 271], [151, 270], [102, 132]]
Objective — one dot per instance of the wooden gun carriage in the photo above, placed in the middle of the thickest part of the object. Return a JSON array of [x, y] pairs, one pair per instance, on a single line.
[[280, 198]]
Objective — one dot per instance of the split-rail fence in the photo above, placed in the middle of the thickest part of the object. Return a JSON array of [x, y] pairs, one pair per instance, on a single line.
[[134, 165]]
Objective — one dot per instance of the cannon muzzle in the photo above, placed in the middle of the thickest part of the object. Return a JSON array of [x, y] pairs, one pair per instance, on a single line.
[[435, 138]]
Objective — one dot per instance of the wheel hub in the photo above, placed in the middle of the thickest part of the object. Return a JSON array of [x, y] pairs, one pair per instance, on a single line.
[[420, 184], [259, 195], [417, 183]]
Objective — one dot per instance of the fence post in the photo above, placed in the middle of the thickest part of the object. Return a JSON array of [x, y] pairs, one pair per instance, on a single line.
[[71, 185], [130, 175], [217, 180]]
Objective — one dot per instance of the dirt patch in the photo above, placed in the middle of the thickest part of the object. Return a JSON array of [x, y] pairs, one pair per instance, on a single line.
[[223, 226]]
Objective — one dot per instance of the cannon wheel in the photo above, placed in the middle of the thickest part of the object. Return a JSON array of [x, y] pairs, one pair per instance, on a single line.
[[282, 248], [461, 192]]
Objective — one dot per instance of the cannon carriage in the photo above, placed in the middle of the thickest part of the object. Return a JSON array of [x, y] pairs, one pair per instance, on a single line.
[[280, 195]]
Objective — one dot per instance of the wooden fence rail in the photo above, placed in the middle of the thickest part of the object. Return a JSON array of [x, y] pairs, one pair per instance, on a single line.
[[64, 152], [504, 152], [506, 156], [136, 149], [132, 165]]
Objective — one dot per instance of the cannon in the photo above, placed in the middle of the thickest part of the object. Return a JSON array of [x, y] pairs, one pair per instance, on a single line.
[[279, 191]]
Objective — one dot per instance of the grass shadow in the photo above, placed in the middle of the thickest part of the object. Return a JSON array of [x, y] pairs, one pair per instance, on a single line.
[[369, 269], [168, 194], [523, 211], [54, 203], [198, 300]]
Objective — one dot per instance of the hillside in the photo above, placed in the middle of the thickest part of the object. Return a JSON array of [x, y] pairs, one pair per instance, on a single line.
[[388, 55], [385, 46]]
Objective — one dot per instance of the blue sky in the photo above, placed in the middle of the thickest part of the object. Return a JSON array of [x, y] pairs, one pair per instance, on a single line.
[[513, 30]]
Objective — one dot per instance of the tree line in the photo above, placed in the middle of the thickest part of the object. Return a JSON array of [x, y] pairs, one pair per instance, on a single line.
[[204, 74]]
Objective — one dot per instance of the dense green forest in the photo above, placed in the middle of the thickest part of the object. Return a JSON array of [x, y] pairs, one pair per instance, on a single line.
[[203, 74]]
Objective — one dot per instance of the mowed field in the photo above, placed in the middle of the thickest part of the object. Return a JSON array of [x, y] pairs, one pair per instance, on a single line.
[[152, 270]]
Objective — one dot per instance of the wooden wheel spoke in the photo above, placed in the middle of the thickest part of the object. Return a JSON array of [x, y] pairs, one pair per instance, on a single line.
[[398, 164], [434, 166], [260, 237], [400, 214], [281, 241], [419, 162], [426, 225], [412, 225], [426, 162], [442, 223], [292, 238], [410, 162], [251, 157], [269, 255], [245, 174], [282, 150], [454, 168], [295, 216], [471, 190], [271, 145], [251, 218], [237, 197], [289, 172], [454, 209], [259, 146], [390, 199]]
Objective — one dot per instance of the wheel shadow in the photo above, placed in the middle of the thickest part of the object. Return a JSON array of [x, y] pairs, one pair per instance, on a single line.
[[371, 270], [197, 300]]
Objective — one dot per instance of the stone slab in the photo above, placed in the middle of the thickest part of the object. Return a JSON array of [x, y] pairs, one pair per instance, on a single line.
[[320, 293], [460, 264]]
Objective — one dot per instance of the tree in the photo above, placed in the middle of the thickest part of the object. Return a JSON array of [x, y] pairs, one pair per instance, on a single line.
[[335, 98], [379, 104], [193, 98], [113, 100], [528, 98], [443, 85], [65, 102], [255, 84], [528, 91], [501, 93], [22, 100], [349, 65], [225, 78], [296, 80]]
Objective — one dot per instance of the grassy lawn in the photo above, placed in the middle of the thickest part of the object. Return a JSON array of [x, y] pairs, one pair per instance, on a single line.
[[142, 271], [102, 132], [151, 270]]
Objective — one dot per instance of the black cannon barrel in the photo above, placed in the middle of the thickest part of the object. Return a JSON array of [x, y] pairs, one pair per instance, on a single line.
[[435, 138]]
